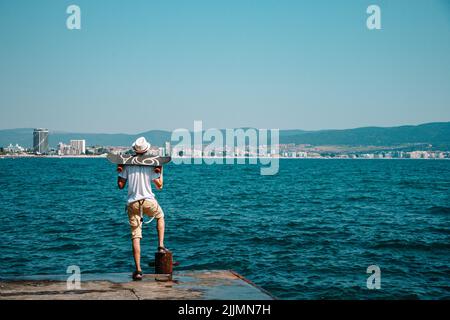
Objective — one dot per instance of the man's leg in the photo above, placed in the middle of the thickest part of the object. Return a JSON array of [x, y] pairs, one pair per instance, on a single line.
[[137, 253], [136, 233], [153, 209], [160, 228]]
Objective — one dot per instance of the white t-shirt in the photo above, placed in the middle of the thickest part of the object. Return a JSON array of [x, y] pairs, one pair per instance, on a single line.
[[139, 179]]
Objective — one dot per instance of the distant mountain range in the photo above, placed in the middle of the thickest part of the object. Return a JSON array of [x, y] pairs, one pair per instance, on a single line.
[[437, 134]]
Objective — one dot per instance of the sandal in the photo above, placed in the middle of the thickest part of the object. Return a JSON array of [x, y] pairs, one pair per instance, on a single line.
[[137, 275]]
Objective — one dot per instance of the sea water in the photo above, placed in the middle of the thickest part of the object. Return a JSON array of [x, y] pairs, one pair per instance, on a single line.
[[309, 232]]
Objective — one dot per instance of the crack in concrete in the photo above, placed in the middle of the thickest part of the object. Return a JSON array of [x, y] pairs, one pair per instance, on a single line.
[[135, 294], [54, 292]]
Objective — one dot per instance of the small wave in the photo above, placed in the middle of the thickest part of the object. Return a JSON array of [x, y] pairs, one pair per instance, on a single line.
[[293, 224], [438, 210], [64, 247], [360, 198], [418, 185], [408, 245], [440, 230]]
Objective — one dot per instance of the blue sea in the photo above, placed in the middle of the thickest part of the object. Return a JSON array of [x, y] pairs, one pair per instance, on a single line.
[[309, 232]]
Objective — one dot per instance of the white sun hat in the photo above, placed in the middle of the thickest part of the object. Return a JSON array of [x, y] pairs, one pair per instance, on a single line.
[[141, 145]]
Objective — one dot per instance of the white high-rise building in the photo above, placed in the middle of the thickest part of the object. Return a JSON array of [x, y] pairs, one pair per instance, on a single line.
[[78, 147], [40, 141]]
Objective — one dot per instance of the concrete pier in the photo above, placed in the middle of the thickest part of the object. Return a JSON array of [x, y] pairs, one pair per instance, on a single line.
[[189, 285]]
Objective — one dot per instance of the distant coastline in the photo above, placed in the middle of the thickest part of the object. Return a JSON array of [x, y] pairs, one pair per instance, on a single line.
[[103, 156], [50, 156], [431, 136]]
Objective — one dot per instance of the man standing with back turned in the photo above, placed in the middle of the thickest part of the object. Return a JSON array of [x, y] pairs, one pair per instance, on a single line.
[[141, 200]]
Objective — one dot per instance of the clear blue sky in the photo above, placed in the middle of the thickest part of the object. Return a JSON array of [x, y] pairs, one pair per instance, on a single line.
[[141, 65]]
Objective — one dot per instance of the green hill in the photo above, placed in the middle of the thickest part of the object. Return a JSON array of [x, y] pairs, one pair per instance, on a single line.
[[437, 134]]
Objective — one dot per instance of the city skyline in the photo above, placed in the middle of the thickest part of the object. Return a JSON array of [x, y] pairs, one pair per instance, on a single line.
[[254, 148], [301, 64], [432, 137]]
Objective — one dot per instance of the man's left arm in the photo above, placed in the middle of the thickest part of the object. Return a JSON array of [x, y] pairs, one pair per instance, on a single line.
[[122, 178], [121, 182], [159, 182]]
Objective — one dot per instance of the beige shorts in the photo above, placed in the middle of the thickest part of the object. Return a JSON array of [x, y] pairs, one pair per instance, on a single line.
[[150, 208]]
